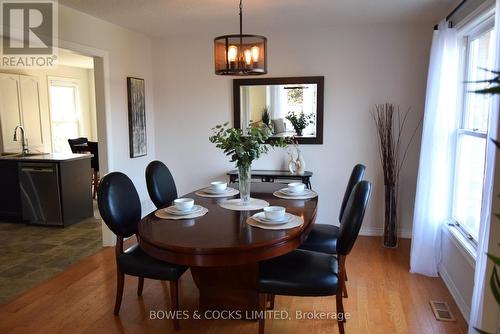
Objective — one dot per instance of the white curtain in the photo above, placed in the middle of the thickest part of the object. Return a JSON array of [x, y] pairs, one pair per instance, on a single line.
[[274, 101], [433, 197], [245, 108], [481, 276]]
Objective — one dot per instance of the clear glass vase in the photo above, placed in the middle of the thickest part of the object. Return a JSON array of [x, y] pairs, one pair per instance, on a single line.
[[244, 178]]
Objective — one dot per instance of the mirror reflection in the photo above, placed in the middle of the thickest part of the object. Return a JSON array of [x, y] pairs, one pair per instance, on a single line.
[[290, 106], [290, 110]]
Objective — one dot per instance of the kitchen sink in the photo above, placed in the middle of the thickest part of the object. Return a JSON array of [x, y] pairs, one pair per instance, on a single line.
[[20, 154]]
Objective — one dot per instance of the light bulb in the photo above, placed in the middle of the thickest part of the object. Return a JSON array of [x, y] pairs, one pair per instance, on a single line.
[[248, 57], [255, 54], [232, 52]]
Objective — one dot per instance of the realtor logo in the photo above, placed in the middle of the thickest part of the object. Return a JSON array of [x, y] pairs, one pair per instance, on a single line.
[[29, 30]]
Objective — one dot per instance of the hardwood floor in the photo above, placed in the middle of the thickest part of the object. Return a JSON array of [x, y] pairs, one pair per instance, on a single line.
[[383, 298]]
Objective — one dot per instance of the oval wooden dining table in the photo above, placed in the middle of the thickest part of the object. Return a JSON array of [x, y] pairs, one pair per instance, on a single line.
[[221, 249]]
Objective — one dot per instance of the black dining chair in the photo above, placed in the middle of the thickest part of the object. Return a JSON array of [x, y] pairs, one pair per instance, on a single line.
[[77, 141], [160, 184], [94, 163], [120, 208], [323, 237], [313, 274]]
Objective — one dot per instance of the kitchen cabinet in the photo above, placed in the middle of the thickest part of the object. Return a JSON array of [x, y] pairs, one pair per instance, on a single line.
[[31, 116], [20, 105], [10, 196], [10, 110]]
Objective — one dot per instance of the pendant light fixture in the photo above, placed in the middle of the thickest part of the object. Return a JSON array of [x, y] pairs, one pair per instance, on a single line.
[[240, 54]]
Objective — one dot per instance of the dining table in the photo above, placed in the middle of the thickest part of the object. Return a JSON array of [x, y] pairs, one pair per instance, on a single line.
[[222, 250]]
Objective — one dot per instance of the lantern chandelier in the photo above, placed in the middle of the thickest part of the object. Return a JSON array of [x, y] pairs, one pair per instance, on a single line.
[[240, 54]]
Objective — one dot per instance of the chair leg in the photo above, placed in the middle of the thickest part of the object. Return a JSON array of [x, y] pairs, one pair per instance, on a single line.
[[262, 307], [95, 183], [119, 291], [270, 301], [174, 301], [140, 285], [344, 273], [340, 311], [344, 290]]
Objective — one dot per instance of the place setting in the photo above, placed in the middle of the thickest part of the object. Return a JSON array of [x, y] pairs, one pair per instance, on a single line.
[[295, 190], [274, 218], [183, 208], [217, 189]]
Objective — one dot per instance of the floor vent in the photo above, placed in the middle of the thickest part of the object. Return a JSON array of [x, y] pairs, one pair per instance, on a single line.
[[442, 311]]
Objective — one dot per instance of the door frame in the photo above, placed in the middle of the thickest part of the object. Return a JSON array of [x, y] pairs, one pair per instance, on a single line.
[[103, 113]]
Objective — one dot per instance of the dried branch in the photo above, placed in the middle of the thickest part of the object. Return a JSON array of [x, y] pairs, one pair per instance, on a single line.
[[390, 124]]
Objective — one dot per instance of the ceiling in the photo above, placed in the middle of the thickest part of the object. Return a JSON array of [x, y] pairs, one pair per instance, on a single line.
[[160, 18]]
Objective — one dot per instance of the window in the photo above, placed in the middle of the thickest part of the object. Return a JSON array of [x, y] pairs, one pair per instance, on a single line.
[[65, 114], [479, 47], [301, 99]]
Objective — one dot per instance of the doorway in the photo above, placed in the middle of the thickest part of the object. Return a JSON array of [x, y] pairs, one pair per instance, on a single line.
[[71, 95]]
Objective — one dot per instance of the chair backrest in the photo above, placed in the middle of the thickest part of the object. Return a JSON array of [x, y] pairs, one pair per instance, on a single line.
[[77, 141], [119, 204], [356, 175], [353, 217], [160, 183], [94, 149]]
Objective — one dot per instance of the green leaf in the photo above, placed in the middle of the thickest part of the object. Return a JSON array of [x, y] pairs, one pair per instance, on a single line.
[[495, 259], [242, 149], [489, 90], [497, 143], [495, 285]]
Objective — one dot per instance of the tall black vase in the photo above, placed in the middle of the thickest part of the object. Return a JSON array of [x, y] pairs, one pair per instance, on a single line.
[[390, 223]]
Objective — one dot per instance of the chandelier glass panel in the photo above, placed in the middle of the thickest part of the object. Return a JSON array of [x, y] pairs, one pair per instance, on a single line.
[[240, 54]]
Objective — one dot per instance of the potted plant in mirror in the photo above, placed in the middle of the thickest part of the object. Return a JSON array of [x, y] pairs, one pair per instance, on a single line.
[[266, 119], [390, 125], [299, 122], [243, 148]]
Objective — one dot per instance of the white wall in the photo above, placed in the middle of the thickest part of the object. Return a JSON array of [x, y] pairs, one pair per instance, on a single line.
[[128, 54], [457, 267], [362, 65]]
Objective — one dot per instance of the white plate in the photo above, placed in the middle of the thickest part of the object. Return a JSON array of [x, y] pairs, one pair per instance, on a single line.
[[287, 192], [261, 218], [213, 192], [174, 211]]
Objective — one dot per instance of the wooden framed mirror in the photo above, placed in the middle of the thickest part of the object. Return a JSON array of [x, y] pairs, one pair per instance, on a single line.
[[290, 106]]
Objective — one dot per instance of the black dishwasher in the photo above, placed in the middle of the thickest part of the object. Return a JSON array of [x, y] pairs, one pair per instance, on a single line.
[[40, 197]]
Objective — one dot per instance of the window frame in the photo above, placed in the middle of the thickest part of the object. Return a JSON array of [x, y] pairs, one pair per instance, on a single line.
[[65, 82], [467, 34]]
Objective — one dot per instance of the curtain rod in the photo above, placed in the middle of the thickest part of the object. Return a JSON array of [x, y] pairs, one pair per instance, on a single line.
[[456, 9]]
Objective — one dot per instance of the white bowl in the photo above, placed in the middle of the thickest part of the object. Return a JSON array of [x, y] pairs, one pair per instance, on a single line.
[[274, 212], [296, 187], [218, 186], [184, 204]]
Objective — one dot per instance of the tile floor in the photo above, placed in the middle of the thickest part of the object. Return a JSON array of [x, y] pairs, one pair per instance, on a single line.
[[32, 254]]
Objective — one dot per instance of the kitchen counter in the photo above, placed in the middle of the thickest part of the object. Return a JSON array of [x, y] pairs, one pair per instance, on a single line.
[[47, 157], [46, 189]]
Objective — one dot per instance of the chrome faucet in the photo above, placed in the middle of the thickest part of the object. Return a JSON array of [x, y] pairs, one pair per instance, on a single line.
[[23, 138]]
